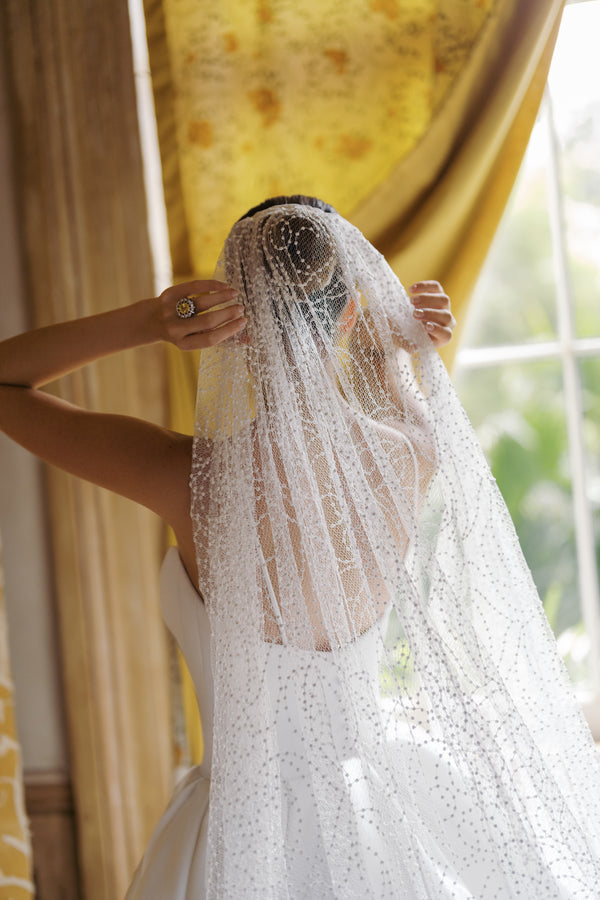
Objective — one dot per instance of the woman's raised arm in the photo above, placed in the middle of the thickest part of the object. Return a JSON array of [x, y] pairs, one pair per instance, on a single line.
[[134, 458], [38, 357]]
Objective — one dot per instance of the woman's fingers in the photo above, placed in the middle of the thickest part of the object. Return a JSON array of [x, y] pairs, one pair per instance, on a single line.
[[439, 334], [209, 328], [203, 294], [212, 317], [432, 308], [431, 301], [431, 287], [204, 290], [440, 316], [199, 340]]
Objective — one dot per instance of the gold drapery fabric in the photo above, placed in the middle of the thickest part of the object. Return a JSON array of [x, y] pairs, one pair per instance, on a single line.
[[182, 371], [375, 106], [410, 116], [85, 249], [437, 213], [266, 97], [15, 844]]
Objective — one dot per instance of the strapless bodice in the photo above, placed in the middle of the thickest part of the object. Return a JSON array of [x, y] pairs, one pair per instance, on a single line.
[[185, 616]]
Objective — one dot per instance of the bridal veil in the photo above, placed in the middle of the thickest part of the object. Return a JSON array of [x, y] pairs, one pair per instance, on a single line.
[[392, 717]]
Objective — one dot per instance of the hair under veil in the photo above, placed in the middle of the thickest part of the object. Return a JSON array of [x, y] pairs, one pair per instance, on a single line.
[[392, 718]]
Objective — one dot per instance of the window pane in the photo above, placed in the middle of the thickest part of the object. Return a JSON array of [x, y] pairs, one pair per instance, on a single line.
[[590, 379], [518, 411], [575, 89], [514, 301]]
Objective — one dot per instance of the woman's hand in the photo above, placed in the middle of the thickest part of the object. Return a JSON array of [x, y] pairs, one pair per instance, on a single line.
[[210, 324], [432, 308]]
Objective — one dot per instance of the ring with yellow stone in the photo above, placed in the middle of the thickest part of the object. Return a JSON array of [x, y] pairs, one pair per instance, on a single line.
[[185, 308]]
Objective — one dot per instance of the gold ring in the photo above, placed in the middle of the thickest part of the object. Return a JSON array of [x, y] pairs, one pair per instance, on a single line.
[[185, 308]]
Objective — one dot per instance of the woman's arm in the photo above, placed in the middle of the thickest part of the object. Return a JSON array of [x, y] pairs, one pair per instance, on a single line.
[[38, 357], [134, 458]]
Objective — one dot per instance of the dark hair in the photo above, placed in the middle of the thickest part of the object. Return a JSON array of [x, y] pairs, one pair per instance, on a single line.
[[300, 199], [329, 301]]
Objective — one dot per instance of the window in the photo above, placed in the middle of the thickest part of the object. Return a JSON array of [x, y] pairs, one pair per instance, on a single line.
[[528, 368]]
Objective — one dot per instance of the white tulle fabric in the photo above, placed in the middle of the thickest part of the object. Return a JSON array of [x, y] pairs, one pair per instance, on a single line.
[[392, 718]]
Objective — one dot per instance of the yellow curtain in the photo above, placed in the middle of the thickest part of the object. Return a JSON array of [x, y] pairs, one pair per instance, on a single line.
[[265, 97], [410, 116], [437, 213], [15, 845]]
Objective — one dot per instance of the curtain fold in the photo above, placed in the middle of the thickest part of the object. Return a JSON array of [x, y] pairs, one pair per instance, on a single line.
[[259, 98], [411, 118], [15, 845], [443, 224], [85, 249]]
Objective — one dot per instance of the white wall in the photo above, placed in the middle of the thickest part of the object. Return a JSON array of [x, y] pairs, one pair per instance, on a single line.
[[25, 556]]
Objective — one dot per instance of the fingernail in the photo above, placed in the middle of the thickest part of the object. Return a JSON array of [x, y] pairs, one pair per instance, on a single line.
[[418, 313], [415, 287], [429, 326]]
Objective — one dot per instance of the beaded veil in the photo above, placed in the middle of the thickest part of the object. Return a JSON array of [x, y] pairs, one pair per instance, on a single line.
[[392, 718]]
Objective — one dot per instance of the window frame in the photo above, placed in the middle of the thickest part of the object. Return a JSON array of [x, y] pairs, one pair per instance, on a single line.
[[568, 350]]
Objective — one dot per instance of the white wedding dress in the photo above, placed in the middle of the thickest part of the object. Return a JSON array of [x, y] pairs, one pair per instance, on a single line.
[[174, 864]]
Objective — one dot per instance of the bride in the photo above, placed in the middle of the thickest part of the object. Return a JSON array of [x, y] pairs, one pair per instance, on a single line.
[[384, 708]]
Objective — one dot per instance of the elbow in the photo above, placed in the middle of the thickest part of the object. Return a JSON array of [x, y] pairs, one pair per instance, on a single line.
[[24, 386]]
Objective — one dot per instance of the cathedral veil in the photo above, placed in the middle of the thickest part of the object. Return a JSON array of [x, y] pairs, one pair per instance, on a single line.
[[392, 717]]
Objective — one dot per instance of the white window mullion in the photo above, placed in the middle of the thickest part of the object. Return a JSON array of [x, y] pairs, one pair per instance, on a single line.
[[479, 357], [584, 531], [157, 215]]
